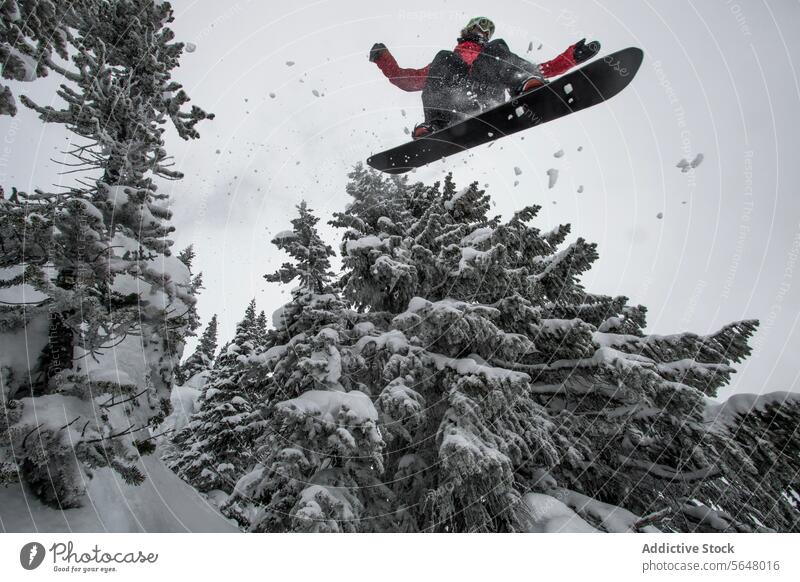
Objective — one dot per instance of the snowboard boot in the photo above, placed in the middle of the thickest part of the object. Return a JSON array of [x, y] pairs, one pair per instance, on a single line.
[[527, 85], [425, 129]]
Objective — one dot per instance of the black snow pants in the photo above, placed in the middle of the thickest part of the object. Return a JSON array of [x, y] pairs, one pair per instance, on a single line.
[[454, 91]]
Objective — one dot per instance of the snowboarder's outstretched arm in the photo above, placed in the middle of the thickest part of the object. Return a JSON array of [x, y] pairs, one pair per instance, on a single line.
[[406, 79], [574, 55]]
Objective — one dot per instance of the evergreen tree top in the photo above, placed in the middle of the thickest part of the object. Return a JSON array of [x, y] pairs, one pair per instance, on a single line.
[[310, 253], [244, 342], [261, 324], [245, 328], [123, 121], [208, 341], [203, 357], [187, 255]]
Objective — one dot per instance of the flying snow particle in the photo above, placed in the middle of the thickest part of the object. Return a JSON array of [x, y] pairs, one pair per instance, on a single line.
[[405, 130], [315, 92], [580, 148], [272, 95], [516, 183], [517, 171], [660, 215], [580, 189], [552, 177], [685, 165], [190, 47], [538, 48], [403, 112], [559, 154], [530, 46], [219, 152], [289, 63]]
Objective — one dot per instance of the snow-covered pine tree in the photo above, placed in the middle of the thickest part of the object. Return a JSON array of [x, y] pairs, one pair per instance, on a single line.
[[757, 442], [320, 453], [182, 326], [216, 446], [499, 374], [202, 359], [61, 427], [312, 265], [122, 122], [263, 328], [99, 256]]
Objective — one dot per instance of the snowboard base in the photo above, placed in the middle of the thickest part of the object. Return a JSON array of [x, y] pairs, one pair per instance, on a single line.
[[590, 85]]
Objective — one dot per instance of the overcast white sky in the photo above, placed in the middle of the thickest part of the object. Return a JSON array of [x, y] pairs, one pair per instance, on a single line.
[[719, 78]]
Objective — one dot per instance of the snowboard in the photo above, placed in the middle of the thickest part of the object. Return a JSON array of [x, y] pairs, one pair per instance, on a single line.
[[590, 85]]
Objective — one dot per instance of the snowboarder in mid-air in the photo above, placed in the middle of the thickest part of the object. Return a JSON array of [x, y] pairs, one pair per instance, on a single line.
[[475, 75]]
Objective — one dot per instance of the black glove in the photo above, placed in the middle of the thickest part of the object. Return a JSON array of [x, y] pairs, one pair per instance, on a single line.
[[376, 51], [583, 52]]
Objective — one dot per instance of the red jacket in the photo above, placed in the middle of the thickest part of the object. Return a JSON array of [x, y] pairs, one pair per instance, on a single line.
[[414, 79]]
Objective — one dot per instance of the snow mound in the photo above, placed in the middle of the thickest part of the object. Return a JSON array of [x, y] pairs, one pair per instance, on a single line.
[[327, 405], [704, 515], [546, 514], [184, 402], [726, 413], [366, 242], [163, 503], [451, 204], [469, 366], [394, 340], [610, 518], [285, 235]]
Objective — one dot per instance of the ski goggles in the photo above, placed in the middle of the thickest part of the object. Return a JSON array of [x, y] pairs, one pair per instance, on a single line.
[[483, 24]]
